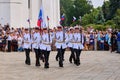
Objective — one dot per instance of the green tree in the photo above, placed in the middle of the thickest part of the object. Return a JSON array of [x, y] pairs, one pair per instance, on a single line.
[[74, 8], [116, 18], [105, 9], [65, 8], [82, 7], [91, 18], [100, 17], [114, 5]]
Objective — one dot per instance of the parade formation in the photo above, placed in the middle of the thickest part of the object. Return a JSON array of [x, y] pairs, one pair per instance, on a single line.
[[41, 43], [44, 40], [59, 39]]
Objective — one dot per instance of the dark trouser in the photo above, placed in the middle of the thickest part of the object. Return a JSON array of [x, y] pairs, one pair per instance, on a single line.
[[106, 46], [98, 45], [46, 55], [27, 53], [9, 46], [118, 46], [113, 47], [41, 54], [61, 56], [37, 55], [101, 46], [57, 56], [15, 47], [72, 56], [78, 52]]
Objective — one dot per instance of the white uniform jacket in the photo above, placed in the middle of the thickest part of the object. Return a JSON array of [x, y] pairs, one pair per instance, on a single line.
[[46, 42], [71, 40], [27, 41], [78, 44], [36, 40], [61, 40]]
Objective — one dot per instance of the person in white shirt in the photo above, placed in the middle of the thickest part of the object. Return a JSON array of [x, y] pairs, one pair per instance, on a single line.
[[14, 42], [36, 41], [46, 46], [78, 45], [61, 39], [27, 46], [20, 43], [9, 40]]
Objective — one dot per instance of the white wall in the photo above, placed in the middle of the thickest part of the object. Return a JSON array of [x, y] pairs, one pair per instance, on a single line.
[[52, 9], [16, 13], [35, 12], [4, 12], [57, 12], [24, 13]]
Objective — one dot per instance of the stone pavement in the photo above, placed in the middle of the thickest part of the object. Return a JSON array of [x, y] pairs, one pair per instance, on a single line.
[[95, 65]]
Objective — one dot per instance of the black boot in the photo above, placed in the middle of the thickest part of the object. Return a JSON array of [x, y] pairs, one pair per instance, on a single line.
[[37, 63], [56, 58], [27, 62], [46, 66], [77, 63], [60, 64], [70, 60]]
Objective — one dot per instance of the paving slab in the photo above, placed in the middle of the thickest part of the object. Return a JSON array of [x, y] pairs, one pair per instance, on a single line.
[[95, 65]]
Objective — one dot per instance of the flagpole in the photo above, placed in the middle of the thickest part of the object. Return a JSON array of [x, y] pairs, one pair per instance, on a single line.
[[40, 28], [62, 19], [48, 28], [29, 17], [63, 33], [41, 23]]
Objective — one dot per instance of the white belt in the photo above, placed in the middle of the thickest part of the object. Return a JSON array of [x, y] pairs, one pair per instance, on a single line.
[[46, 44], [60, 41]]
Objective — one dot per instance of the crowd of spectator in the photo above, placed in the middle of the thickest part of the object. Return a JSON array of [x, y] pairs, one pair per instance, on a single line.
[[102, 40], [108, 40]]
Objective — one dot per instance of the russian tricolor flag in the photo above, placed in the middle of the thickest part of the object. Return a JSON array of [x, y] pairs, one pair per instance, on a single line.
[[40, 17], [63, 17]]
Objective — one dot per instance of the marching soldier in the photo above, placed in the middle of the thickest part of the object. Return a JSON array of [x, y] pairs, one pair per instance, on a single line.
[[46, 46], [41, 47], [35, 45], [61, 39], [78, 45], [71, 45], [27, 46]]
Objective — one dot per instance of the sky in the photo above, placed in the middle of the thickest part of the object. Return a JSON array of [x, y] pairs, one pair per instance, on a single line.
[[97, 3]]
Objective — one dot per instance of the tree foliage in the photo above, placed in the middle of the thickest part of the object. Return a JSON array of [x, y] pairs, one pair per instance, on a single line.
[[74, 8], [107, 15], [116, 18], [114, 5]]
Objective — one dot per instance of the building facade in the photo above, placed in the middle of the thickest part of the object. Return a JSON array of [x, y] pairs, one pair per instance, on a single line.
[[17, 12]]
